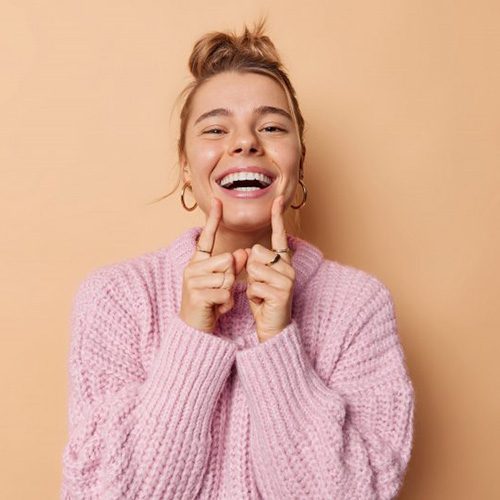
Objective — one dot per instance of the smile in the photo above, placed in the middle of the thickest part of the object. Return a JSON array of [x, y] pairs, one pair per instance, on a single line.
[[245, 184], [244, 179]]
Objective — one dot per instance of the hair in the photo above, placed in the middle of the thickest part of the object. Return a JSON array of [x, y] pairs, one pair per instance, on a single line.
[[251, 52]]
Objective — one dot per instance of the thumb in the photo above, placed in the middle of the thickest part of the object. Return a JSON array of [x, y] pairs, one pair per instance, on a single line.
[[240, 259], [224, 308]]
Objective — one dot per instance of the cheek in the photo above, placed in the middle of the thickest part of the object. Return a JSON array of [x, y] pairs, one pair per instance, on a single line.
[[203, 159], [287, 157]]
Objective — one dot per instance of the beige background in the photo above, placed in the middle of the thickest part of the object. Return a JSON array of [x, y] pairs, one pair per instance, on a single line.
[[402, 110]]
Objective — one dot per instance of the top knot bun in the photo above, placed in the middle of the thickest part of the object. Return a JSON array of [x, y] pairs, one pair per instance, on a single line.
[[218, 51]]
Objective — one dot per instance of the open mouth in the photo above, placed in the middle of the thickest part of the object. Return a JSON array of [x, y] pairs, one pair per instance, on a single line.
[[247, 181]]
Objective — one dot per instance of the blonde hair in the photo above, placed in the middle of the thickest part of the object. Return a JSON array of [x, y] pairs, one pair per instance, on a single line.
[[252, 51]]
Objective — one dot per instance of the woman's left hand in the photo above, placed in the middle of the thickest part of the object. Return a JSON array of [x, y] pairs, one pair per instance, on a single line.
[[270, 286]]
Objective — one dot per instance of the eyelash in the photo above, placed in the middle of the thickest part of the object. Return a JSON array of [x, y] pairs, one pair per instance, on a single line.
[[279, 129]]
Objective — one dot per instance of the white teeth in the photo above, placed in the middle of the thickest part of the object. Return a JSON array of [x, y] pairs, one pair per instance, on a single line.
[[247, 188], [241, 176]]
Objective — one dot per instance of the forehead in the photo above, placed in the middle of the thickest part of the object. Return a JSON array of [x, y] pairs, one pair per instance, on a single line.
[[238, 92]]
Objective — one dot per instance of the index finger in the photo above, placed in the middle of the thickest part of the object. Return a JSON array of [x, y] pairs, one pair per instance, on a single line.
[[278, 238], [207, 235]]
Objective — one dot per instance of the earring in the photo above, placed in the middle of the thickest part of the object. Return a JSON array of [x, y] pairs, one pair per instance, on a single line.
[[304, 196], [189, 209]]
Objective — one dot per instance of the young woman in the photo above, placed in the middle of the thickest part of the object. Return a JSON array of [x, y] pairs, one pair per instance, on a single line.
[[237, 362]]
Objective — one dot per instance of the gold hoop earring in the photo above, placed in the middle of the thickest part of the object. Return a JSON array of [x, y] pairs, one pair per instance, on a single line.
[[189, 209], [304, 196]]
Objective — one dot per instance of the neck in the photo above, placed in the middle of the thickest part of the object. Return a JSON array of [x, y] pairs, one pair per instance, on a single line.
[[228, 240]]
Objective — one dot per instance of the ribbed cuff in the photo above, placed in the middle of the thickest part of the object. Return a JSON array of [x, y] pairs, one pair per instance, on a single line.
[[188, 372], [279, 380]]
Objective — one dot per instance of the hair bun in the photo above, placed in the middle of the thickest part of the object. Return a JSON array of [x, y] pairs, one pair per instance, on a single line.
[[217, 51]]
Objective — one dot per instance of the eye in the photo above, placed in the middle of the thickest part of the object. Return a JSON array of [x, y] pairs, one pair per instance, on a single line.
[[273, 128], [214, 130]]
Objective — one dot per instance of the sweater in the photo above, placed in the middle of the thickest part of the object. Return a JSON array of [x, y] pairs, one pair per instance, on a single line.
[[160, 410]]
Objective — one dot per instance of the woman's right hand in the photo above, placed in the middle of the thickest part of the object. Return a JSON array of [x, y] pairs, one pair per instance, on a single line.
[[208, 280]]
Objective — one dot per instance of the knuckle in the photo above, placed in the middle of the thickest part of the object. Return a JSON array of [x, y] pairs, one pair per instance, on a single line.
[[228, 257], [196, 297]]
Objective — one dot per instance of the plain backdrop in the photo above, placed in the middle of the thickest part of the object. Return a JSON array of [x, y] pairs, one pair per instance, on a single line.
[[402, 109]]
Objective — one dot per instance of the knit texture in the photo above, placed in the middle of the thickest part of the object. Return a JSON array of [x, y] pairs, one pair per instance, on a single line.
[[161, 410]]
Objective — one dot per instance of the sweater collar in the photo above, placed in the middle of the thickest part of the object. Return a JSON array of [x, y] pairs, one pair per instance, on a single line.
[[306, 258]]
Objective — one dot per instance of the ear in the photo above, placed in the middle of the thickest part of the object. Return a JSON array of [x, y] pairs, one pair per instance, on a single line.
[[302, 158], [301, 172], [186, 173]]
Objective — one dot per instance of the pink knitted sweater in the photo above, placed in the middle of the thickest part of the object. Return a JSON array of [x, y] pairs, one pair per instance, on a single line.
[[161, 410]]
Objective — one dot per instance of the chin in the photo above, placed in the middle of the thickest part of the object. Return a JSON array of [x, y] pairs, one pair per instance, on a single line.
[[245, 224]]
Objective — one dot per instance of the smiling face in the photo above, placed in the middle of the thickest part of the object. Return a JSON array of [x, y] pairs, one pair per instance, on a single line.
[[241, 121]]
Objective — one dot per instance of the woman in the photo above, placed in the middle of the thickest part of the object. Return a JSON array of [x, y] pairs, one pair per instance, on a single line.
[[237, 362]]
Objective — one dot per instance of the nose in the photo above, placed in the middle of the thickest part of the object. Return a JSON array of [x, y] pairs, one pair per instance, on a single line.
[[246, 142]]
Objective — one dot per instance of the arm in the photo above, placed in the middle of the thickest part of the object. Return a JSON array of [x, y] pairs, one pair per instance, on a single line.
[[134, 434], [347, 438]]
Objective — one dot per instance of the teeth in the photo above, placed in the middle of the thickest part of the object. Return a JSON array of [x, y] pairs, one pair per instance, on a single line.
[[247, 188], [242, 176]]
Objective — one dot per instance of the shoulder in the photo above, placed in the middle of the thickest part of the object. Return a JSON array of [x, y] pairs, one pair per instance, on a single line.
[[144, 270], [128, 286], [353, 286], [349, 307], [124, 274]]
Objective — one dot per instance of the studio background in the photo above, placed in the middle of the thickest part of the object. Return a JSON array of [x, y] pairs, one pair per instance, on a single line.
[[402, 110]]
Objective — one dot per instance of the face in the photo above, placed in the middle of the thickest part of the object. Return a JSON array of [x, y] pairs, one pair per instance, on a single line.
[[241, 123]]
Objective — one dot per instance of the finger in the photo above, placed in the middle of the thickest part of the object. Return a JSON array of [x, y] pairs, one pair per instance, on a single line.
[[279, 238], [212, 280], [281, 279], [207, 235], [223, 262], [258, 292], [224, 308], [261, 254], [215, 296], [240, 259]]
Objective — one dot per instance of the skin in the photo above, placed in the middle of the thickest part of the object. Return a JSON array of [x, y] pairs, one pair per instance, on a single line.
[[240, 231]]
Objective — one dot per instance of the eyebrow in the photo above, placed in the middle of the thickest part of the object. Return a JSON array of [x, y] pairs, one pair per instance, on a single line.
[[261, 110]]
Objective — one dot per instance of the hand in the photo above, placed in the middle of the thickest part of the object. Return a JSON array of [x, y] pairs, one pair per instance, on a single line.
[[207, 280], [270, 288]]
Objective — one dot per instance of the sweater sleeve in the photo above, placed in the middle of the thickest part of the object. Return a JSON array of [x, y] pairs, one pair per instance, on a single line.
[[348, 437], [134, 434]]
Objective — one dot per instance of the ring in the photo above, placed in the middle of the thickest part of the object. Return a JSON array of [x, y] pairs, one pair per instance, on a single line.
[[201, 250], [285, 250], [276, 258]]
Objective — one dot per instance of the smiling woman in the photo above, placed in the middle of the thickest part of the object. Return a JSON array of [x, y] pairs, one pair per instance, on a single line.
[[237, 362]]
